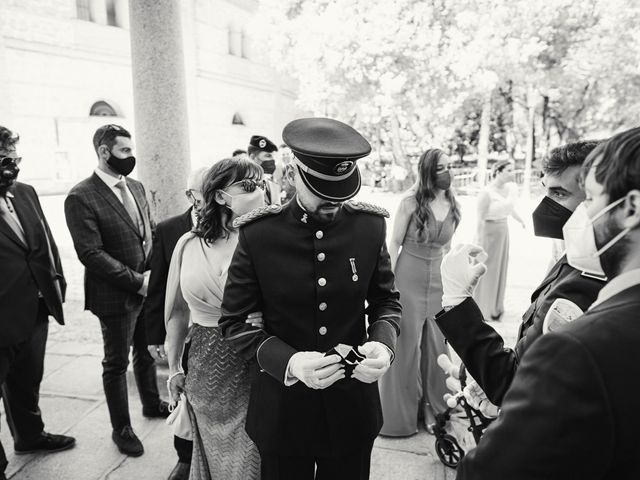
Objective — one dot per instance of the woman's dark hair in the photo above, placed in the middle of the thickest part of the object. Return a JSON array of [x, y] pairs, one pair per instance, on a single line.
[[214, 221], [8, 139], [426, 192], [499, 167]]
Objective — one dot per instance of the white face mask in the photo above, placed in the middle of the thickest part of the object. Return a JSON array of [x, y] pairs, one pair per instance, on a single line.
[[245, 202], [580, 239]]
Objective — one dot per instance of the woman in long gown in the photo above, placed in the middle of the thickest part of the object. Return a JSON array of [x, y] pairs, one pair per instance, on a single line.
[[495, 204], [218, 383], [425, 221]]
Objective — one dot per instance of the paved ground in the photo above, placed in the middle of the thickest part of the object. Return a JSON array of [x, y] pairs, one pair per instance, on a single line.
[[73, 402]]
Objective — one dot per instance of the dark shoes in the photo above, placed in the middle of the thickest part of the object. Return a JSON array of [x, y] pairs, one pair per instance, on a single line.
[[127, 441], [180, 471], [46, 443], [159, 411]]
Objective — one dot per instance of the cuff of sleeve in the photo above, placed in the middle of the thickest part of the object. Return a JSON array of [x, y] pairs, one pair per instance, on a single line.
[[384, 332], [288, 378], [273, 356]]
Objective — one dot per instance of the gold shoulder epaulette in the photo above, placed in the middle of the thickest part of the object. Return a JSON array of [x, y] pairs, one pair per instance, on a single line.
[[367, 208], [256, 214]]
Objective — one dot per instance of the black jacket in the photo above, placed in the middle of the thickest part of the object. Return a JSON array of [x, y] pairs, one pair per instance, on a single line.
[[481, 348], [299, 274], [27, 269], [109, 245], [572, 411], [166, 236]]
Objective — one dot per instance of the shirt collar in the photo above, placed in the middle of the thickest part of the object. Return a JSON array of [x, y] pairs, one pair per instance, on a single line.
[[10, 195], [108, 179], [618, 284]]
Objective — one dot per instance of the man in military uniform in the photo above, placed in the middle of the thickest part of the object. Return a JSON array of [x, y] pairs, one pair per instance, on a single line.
[[562, 296], [261, 150], [309, 267]]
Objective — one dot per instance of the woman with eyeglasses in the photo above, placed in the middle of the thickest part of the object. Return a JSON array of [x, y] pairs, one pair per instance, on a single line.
[[425, 221], [217, 386]]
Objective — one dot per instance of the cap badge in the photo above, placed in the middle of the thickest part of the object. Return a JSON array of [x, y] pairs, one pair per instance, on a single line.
[[342, 167], [262, 143]]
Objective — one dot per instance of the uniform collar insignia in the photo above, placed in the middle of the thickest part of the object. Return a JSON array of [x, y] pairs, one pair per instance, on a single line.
[[304, 218]]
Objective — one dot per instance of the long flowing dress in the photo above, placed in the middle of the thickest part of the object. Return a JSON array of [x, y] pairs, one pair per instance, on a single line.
[[415, 381], [489, 294], [218, 381]]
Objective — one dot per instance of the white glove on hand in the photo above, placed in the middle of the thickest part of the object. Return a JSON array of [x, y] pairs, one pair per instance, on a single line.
[[315, 370], [461, 270], [375, 365], [475, 396]]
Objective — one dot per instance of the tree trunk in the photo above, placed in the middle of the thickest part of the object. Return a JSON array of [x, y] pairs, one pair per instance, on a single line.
[[483, 139], [531, 140]]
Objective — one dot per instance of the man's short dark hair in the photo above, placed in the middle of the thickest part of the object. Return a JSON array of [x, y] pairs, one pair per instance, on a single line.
[[8, 139], [106, 135], [251, 150], [619, 170], [566, 156], [238, 151]]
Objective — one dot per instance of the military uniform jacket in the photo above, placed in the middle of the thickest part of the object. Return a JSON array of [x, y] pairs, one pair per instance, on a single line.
[[109, 245], [481, 348], [572, 411], [310, 282]]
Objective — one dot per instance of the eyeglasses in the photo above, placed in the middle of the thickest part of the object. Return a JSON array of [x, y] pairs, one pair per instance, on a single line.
[[249, 184], [112, 127], [6, 161]]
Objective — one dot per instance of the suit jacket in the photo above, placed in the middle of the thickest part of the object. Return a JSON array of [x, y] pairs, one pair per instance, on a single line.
[[109, 245], [167, 234], [27, 269], [300, 276], [481, 348], [572, 411]]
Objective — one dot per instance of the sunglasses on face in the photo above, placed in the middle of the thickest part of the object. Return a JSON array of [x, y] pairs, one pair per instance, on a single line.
[[249, 185], [6, 161]]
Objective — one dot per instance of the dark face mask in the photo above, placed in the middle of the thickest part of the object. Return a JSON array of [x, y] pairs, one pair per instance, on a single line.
[[8, 175], [443, 180], [268, 166], [123, 166], [548, 219]]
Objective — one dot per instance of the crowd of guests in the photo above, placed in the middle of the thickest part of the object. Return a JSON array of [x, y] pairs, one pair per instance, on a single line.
[[294, 337]]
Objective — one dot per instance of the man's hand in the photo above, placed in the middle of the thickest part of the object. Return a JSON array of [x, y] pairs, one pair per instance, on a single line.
[[255, 320], [315, 370], [461, 270], [375, 365], [157, 352], [145, 284]]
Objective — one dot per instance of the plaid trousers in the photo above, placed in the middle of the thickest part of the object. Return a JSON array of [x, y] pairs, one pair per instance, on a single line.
[[120, 333]]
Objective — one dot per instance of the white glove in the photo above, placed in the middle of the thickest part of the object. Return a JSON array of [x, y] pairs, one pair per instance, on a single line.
[[475, 396], [461, 270], [315, 370], [375, 365]]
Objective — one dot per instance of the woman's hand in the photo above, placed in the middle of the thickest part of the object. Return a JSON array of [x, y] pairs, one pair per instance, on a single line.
[[176, 386]]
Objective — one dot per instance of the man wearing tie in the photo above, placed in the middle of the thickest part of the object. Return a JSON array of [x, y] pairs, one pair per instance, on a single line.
[[109, 220], [32, 288]]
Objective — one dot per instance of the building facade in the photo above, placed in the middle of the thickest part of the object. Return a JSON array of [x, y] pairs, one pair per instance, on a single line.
[[65, 69]]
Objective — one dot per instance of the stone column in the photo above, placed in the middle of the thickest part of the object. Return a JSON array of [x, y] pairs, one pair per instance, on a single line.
[[160, 103], [5, 93], [122, 13]]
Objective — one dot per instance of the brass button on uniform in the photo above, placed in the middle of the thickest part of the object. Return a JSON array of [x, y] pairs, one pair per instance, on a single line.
[[319, 234], [322, 330], [321, 257], [322, 306], [322, 282]]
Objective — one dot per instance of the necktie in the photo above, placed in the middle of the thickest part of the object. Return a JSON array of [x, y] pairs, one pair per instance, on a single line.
[[130, 206], [11, 220]]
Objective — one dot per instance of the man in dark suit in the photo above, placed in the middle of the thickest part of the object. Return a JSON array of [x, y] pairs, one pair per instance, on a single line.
[[261, 150], [109, 220], [563, 295], [309, 267], [167, 235], [572, 410], [32, 288]]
